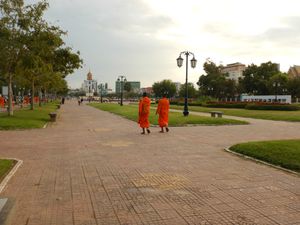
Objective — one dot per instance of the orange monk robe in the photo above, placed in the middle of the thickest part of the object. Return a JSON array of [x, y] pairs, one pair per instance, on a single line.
[[144, 111], [2, 102], [36, 99], [163, 112], [26, 100]]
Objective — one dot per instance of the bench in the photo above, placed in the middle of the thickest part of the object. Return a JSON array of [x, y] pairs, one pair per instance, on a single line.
[[52, 116], [216, 113]]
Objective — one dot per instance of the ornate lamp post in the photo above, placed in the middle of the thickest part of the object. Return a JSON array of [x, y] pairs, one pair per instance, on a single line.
[[276, 84], [101, 92], [121, 80], [193, 64], [210, 91]]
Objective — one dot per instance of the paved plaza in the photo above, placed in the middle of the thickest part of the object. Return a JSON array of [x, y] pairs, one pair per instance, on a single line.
[[94, 168]]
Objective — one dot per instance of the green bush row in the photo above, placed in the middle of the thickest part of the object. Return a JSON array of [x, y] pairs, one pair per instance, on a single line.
[[272, 107], [224, 105], [182, 103]]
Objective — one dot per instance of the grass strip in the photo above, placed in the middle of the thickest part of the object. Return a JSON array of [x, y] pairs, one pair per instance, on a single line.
[[175, 118], [5, 166], [26, 118], [291, 116], [284, 153]]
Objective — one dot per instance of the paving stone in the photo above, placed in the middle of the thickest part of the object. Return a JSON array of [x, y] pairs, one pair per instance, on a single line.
[[92, 167]]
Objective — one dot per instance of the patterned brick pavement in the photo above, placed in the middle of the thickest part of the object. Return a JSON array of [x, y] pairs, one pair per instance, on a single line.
[[94, 168]]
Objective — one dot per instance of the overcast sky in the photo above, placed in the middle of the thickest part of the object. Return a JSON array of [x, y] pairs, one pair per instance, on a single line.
[[141, 39]]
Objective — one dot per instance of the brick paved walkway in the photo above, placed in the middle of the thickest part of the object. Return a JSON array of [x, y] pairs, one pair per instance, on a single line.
[[92, 168]]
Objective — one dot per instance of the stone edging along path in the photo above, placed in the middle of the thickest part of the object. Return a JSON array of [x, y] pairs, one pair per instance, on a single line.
[[11, 173]]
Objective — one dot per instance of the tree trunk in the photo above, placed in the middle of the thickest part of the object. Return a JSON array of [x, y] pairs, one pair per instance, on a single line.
[[32, 96], [40, 97], [10, 96]]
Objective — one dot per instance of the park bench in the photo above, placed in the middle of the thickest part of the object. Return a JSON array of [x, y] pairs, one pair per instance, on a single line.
[[216, 114], [52, 116]]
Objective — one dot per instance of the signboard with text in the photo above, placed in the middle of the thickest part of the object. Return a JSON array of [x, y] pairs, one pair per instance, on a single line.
[[5, 90]]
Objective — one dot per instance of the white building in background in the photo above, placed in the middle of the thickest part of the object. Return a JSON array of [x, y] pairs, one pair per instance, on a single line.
[[234, 70], [89, 85], [267, 98], [178, 85]]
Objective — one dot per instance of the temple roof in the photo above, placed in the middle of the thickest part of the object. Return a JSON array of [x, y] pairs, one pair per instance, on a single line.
[[89, 76]]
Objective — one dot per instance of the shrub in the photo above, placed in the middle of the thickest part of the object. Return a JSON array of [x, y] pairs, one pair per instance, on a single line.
[[191, 102], [282, 107], [195, 104], [238, 105]]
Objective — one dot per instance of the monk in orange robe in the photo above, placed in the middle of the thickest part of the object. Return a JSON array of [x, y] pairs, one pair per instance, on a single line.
[[163, 113], [2, 102], [144, 111]]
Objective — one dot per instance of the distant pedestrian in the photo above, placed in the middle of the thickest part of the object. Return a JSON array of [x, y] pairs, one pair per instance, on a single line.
[[63, 100], [163, 112], [2, 102], [79, 101], [144, 111]]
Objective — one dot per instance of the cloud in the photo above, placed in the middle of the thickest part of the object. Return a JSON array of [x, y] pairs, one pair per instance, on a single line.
[[115, 38], [287, 35], [142, 38]]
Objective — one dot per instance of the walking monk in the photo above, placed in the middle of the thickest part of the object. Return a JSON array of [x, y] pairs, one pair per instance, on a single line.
[[2, 102], [163, 112], [144, 111]]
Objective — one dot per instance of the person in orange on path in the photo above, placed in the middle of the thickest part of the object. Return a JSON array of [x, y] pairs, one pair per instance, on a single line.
[[144, 111], [163, 112], [2, 102]]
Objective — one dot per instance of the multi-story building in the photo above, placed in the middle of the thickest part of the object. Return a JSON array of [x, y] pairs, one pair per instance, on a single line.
[[148, 90], [135, 86], [89, 85], [294, 71], [178, 86], [234, 70], [103, 89]]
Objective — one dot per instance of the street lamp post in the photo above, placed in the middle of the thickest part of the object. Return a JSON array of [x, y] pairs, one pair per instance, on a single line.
[[101, 92], [276, 85], [210, 91], [193, 64], [122, 80]]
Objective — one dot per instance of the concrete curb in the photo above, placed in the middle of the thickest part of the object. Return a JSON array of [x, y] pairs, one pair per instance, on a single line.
[[10, 174], [260, 161]]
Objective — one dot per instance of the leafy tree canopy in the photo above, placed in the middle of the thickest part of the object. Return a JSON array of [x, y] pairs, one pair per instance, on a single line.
[[164, 87]]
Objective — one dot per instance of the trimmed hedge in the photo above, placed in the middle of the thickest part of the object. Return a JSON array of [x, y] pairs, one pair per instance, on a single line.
[[237, 105], [189, 103], [272, 107]]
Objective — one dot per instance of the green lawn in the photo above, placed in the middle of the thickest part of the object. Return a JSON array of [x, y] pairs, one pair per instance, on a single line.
[[27, 119], [5, 166], [281, 153], [293, 116], [175, 118]]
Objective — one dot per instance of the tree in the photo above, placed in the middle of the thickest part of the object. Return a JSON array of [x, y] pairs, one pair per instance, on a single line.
[[164, 87], [255, 78], [192, 92], [277, 84], [45, 52], [293, 86], [213, 83], [11, 47]]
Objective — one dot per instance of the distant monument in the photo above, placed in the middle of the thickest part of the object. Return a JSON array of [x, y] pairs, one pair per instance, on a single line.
[[89, 85]]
